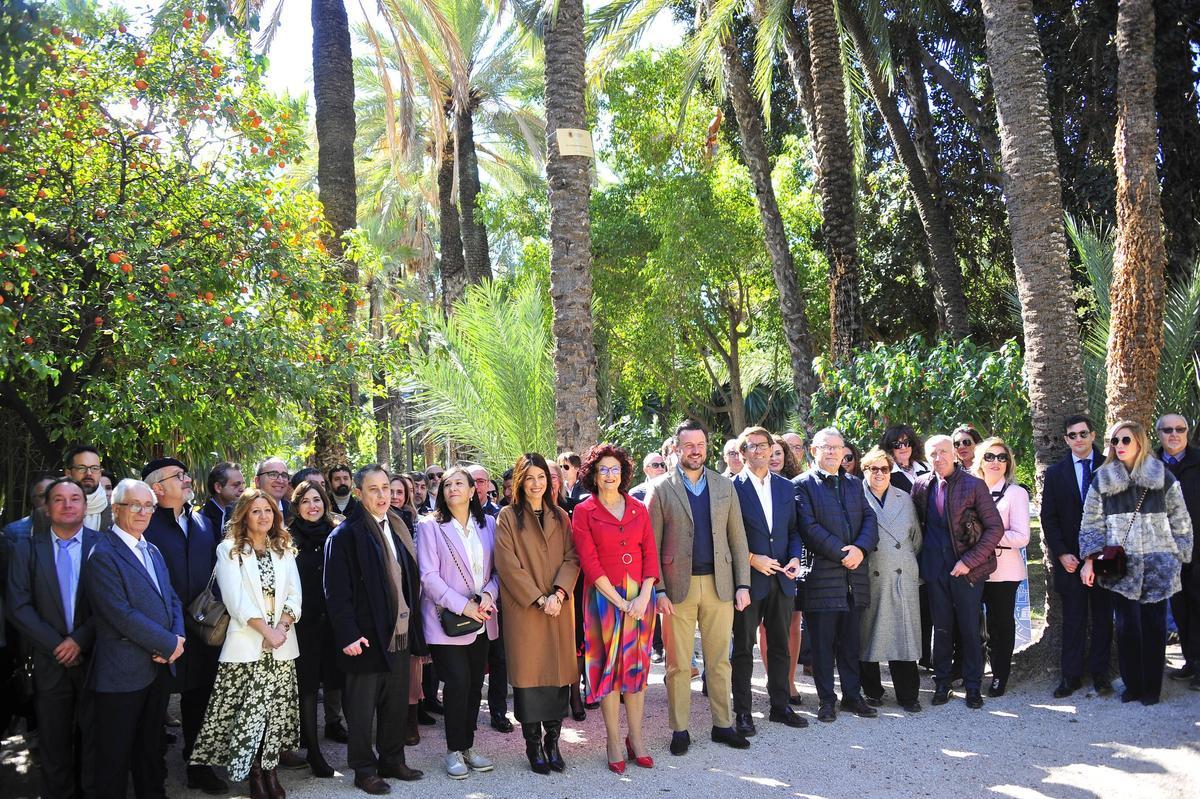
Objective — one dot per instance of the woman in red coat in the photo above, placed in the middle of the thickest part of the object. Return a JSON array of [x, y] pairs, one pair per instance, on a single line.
[[615, 544]]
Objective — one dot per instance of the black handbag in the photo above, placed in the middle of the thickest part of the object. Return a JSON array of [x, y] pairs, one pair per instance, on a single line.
[[454, 624], [1112, 562]]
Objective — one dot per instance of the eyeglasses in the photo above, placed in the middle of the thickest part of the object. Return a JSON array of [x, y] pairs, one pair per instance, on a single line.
[[275, 475], [135, 507], [657, 465], [848, 458], [761, 446], [609, 471], [183, 476], [996, 457], [900, 443], [966, 442], [1078, 434], [830, 447], [1173, 430], [878, 469], [86, 469], [1124, 440]]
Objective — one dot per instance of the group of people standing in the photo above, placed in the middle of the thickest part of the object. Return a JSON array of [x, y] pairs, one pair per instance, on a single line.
[[372, 589]]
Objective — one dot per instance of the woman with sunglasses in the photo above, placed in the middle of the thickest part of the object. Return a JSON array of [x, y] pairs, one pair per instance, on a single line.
[[965, 439], [906, 450], [1135, 504], [994, 464], [852, 461]]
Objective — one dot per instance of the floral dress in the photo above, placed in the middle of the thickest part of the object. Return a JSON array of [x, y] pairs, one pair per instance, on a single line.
[[253, 706]]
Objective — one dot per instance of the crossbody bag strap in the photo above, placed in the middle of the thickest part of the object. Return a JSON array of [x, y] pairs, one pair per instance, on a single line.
[[1133, 518], [454, 556]]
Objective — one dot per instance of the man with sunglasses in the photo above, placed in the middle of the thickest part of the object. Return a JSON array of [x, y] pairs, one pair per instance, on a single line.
[[82, 464], [189, 547], [1085, 610], [654, 466], [433, 477], [1183, 461], [570, 463]]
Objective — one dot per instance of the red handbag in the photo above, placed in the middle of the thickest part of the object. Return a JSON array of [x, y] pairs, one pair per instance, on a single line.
[[1112, 561]]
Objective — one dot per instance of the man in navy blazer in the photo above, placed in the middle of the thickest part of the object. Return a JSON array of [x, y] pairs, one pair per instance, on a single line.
[[225, 484], [47, 605], [1063, 491], [839, 529], [189, 548], [773, 537], [139, 633]]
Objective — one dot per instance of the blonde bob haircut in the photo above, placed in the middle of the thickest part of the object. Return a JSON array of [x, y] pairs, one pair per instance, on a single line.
[[873, 456], [1137, 432], [984, 446]]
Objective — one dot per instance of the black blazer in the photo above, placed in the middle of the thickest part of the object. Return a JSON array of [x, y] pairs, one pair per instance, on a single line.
[[781, 541], [827, 525], [215, 516], [1062, 507]]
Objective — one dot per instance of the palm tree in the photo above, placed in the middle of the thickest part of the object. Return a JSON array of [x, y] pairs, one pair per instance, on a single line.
[[569, 179], [1135, 333]]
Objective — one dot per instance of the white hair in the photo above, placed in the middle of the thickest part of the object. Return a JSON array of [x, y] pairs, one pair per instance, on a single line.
[[128, 484], [933, 441], [826, 432]]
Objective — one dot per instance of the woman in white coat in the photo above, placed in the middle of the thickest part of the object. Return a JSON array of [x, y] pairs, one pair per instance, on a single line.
[[254, 710]]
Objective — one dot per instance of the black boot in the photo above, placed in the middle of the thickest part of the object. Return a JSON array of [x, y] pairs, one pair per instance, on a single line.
[[309, 737], [553, 756], [533, 748]]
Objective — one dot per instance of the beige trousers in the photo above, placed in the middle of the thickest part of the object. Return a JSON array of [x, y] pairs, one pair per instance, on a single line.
[[715, 618]]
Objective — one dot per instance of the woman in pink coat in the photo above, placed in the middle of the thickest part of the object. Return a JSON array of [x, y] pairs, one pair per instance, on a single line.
[[994, 464]]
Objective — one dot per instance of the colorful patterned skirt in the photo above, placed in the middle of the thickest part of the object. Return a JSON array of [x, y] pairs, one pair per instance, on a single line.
[[616, 646]]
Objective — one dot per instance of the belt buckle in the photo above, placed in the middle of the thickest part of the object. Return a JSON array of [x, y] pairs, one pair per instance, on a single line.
[[627, 559]]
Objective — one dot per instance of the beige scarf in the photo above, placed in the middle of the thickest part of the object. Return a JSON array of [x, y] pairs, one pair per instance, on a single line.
[[97, 501], [395, 585]]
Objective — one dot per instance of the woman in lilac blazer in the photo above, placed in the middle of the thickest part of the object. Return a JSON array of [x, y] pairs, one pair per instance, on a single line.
[[454, 553], [994, 464]]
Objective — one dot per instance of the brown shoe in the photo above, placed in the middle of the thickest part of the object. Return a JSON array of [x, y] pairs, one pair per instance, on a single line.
[[258, 788], [372, 784], [290, 758], [271, 781], [400, 771], [413, 737]]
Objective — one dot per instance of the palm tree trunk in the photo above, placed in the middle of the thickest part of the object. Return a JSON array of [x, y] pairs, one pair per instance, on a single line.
[[379, 399], [1179, 134], [836, 181], [1033, 197], [569, 180], [453, 265], [1135, 335], [754, 153], [333, 96], [474, 233], [925, 189]]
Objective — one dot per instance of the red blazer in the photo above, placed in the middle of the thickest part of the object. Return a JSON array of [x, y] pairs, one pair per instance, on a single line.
[[614, 547]]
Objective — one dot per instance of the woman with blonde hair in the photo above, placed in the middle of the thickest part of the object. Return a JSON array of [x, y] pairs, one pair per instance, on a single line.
[[254, 710], [994, 463]]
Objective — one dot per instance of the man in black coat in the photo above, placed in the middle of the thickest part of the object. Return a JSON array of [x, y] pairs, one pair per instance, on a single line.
[[50, 609], [341, 490], [373, 608], [225, 484], [1183, 461], [189, 547], [1063, 492], [838, 528]]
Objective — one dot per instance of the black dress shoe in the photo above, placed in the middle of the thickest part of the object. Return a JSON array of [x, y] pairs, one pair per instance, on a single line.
[[859, 708], [744, 724], [203, 778], [680, 741], [941, 694], [433, 706], [789, 717], [336, 731], [914, 707], [795, 700], [1066, 688], [826, 712], [400, 771], [372, 784], [728, 736], [501, 723], [1184, 674], [291, 759], [1103, 686], [974, 699], [1129, 696], [1149, 700], [997, 688], [874, 701]]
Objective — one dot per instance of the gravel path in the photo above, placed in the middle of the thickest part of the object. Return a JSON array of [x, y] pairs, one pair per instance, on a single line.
[[1025, 745]]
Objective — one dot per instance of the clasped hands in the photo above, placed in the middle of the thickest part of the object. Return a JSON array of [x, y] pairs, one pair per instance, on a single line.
[[482, 609], [178, 653], [765, 564]]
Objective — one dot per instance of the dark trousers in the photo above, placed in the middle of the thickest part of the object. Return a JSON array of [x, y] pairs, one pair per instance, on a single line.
[[65, 734], [1141, 645], [497, 667], [129, 739], [1000, 603], [380, 699], [905, 680], [1185, 606], [955, 604], [1084, 608], [834, 635], [192, 705], [926, 626], [774, 613], [461, 669]]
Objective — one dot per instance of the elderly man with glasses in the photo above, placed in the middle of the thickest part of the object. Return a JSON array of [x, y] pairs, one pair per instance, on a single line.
[[654, 466], [1183, 460], [189, 547], [433, 480]]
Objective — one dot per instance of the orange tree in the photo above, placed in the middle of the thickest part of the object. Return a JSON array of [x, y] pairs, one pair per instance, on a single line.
[[162, 285]]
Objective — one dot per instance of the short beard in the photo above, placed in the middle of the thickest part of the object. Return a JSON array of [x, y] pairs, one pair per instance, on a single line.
[[341, 490]]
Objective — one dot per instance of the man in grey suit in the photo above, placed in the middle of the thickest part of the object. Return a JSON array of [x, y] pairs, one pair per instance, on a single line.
[[705, 568], [46, 605], [139, 633]]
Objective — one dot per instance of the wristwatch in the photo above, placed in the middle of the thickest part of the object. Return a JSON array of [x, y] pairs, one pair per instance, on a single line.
[[541, 602]]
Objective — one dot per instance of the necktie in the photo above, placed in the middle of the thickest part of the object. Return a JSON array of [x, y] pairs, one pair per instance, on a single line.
[[1086, 463], [147, 561], [1171, 459], [66, 580], [940, 497]]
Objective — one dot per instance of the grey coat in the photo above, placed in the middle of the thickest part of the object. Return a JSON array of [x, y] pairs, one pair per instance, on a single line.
[[891, 623]]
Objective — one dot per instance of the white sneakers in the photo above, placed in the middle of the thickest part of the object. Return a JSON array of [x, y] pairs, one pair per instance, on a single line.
[[460, 764]]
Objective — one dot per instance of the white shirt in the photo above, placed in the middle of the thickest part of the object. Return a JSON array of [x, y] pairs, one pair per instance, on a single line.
[[763, 489], [182, 520], [387, 536], [473, 544], [129, 540]]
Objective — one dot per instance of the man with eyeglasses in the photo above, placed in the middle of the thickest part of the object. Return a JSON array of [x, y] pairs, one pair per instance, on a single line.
[[139, 636], [433, 476], [272, 477], [1085, 610], [82, 464], [341, 486], [795, 442], [47, 605], [732, 458], [189, 547], [1183, 461], [483, 489], [654, 466]]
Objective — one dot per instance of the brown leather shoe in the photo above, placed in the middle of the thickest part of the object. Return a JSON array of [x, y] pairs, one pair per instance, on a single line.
[[413, 734], [271, 781], [258, 788], [400, 771], [290, 758], [372, 784]]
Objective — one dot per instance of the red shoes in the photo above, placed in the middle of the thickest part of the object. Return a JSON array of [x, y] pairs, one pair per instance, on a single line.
[[617, 768], [644, 762]]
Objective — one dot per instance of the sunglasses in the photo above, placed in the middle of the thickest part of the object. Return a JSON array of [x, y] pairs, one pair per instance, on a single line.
[[1173, 430], [434, 475], [900, 444], [1124, 440], [658, 465], [1077, 434], [879, 469], [966, 442], [848, 458], [995, 457]]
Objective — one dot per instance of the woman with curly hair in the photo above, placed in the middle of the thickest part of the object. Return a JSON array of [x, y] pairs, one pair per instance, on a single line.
[[615, 544], [253, 713]]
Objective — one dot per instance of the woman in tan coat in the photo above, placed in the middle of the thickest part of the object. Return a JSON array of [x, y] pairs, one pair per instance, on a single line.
[[536, 561]]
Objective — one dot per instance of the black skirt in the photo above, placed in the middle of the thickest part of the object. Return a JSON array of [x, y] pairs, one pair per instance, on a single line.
[[543, 703], [317, 665]]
